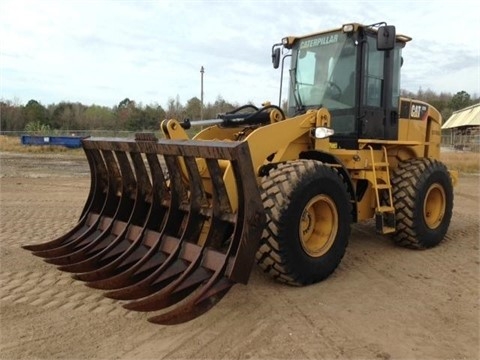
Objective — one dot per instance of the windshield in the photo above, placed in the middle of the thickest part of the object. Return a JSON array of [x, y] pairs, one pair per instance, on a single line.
[[323, 72]]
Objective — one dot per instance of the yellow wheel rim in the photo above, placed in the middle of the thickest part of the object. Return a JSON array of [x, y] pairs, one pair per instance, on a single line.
[[318, 225], [434, 206]]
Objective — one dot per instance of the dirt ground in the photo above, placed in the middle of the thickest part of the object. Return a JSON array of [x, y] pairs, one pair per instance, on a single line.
[[383, 302]]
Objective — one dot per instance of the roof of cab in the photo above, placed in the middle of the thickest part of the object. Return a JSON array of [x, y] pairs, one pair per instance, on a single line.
[[356, 26]]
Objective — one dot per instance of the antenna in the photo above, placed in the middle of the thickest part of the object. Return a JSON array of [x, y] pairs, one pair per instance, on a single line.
[[202, 71]]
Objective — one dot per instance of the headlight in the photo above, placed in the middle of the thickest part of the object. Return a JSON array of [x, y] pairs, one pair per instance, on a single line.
[[323, 132]]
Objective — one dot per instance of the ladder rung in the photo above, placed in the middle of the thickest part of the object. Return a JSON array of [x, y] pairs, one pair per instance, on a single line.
[[383, 186], [380, 164], [384, 209], [388, 230]]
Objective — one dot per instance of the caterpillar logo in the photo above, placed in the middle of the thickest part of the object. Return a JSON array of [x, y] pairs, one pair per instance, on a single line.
[[413, 110], [417, 111], [325, 40]]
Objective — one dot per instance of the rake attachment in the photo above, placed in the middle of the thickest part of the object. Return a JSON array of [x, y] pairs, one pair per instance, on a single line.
[[169, 225]]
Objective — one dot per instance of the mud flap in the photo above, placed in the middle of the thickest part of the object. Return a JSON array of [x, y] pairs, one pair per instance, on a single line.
[[159, 231]]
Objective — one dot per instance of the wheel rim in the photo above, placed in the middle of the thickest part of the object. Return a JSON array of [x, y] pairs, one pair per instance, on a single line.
[[434, 206], [318, 225]]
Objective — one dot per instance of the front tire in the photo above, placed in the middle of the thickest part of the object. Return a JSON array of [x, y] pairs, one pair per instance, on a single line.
[[308, 222], [423, 199]]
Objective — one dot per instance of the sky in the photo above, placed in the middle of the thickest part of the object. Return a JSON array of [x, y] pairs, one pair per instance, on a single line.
[[101, 52]]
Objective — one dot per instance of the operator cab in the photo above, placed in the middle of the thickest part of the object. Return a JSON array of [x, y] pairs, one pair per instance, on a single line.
[[354, 72]]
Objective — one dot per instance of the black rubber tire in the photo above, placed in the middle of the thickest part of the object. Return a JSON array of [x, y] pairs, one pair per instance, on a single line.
[[410, 184], [286, 191]]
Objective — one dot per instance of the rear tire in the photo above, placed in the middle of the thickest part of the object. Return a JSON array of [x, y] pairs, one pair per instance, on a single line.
[[308, 222], [423, 199]]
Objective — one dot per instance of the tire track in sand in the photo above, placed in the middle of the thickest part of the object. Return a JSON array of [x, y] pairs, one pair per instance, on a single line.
[[56, 290]]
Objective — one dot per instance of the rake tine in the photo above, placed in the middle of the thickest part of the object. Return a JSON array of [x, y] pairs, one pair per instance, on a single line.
[[97, 194], [155, 236], [196, 307], [80, 229], [106, 216], [113, 205], [82, 232], [160, 285], [194, 275], [131, 273], [189, 279], [93, 244], [221, 281], [76, 244], [173, 292], [93, 206], [199, 301], [85, 259], [173, 267], [116, 262], [124, 247], [139, 285], [127, 264]]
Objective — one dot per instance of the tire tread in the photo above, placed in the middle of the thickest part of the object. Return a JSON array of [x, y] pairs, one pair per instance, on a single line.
[[406, 182], [276, 188]]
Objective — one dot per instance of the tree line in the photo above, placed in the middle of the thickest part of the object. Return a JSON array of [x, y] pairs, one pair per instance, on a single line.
[[129, 115]]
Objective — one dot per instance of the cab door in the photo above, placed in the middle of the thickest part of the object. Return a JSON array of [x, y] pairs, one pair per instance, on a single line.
[[380, 92]]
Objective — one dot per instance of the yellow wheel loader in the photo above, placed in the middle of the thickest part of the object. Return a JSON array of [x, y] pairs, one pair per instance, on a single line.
[[171, 224]]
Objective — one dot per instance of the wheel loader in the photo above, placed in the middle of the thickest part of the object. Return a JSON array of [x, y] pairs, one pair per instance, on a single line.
[[171, 224]]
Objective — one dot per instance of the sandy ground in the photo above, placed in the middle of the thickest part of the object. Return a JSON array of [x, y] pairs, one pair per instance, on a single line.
[[382, 302]]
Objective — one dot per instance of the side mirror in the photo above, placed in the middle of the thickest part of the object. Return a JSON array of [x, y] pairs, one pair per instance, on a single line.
[[386, 37], [276, 57]]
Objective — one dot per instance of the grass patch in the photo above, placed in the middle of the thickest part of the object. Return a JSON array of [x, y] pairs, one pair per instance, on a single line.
[[462, 161], [13, 144]]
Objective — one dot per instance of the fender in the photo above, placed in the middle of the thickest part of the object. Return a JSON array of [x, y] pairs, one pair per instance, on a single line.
[[330, 159]]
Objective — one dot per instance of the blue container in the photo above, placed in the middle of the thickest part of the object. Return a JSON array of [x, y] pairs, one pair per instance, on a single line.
[[71, 142]]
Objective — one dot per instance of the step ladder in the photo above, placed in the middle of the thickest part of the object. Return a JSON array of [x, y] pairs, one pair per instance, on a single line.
[[384, 213]]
